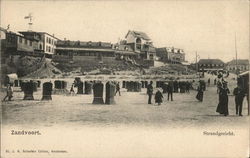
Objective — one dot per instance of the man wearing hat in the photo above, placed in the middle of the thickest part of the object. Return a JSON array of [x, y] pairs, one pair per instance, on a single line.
[[170, 88], [150, 92], [239, 96]]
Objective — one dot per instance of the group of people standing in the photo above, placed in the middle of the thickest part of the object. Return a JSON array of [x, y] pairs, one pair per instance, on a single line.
[[169, 87], [158, 94], [223, 91], [239, 94], [182, 86]]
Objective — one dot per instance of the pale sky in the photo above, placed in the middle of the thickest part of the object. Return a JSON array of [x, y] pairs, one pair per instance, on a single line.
[[207, 27]]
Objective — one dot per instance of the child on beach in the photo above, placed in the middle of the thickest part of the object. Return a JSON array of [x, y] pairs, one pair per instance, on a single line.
[[158, 97]]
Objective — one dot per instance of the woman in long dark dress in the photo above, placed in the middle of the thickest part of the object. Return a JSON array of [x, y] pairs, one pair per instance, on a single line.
[[200, 90], [222, 107]]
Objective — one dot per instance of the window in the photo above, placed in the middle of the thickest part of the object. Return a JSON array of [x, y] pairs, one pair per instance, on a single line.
[[20, 40], [49, 40], [49, 49], [151, 56], [26, 42], [30, 43]]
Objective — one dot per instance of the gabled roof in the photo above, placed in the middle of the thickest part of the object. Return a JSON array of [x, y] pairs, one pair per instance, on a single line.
[[210, 61], [138, 34], [239, 62]]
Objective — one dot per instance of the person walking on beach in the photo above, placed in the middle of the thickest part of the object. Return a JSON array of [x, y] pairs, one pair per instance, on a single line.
[[200, 90], [72, 92], [170, 88], [9, 94], [239, 97], [188, 86], [150, 92], [118, 89]]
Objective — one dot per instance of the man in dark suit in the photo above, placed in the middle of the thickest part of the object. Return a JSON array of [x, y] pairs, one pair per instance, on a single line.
[[239, 96], [150, 92], [170, 89]]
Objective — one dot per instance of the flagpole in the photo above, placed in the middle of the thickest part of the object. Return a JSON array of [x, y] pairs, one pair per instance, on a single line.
[[236, 54], [196, 61]]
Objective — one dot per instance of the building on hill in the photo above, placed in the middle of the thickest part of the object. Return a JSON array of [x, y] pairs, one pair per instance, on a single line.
[[123, 51], [141, 43], [138, 46], [170, 55], [78, 51], [17, 44], [94, 55], [30, 43], [97, 52], [241, 65], [46, 43], [210, 64]]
